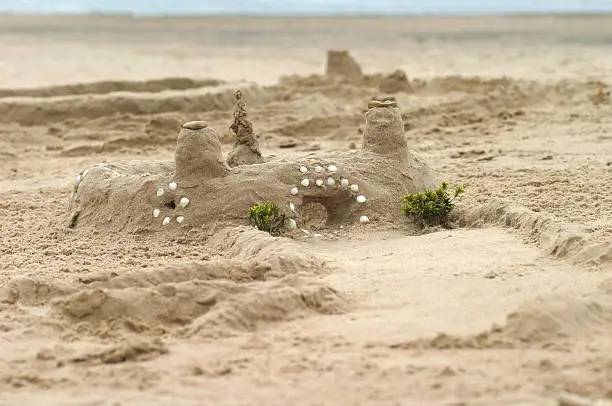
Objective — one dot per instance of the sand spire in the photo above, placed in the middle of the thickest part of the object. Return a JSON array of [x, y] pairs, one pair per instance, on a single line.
[[246, 148]]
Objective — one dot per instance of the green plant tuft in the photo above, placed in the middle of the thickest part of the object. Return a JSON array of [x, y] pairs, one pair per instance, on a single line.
[[267, 217], [431, 207]]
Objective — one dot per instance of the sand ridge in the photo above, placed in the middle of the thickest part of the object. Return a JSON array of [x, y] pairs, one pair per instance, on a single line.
[[511, 307]]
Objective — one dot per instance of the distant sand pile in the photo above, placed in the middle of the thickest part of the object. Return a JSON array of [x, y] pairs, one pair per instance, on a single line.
[[199, 187], [395, 82], [342, 64]]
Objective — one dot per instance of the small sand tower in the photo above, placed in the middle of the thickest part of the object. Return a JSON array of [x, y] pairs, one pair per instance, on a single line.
[[384, 131], [198, 154]]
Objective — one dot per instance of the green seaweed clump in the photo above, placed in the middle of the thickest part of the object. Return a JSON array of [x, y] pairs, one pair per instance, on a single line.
[[267, 217], [431, 207]]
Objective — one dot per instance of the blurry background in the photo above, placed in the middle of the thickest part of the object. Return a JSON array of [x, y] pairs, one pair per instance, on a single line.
[[101, 39], [305, 6]]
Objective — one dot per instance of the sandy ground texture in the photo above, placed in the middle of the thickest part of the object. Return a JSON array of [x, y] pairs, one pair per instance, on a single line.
[[513, 306]]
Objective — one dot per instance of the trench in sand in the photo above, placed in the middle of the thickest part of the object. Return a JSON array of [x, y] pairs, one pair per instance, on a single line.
[[456, 282]]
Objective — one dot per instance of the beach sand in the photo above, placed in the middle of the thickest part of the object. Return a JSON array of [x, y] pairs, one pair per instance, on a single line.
[[512, 306]]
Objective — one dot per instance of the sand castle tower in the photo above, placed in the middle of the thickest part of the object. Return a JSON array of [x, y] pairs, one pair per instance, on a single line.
[[198, 154], [384, 131], [199, 187]]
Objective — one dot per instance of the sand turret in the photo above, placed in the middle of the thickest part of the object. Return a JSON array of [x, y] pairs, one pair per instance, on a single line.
[[384, 131], [198, 154]]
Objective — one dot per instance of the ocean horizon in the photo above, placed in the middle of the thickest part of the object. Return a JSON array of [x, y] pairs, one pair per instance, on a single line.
[[298, 8]]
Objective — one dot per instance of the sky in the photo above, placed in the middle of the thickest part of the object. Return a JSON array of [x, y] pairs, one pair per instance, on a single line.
[[304, 6]]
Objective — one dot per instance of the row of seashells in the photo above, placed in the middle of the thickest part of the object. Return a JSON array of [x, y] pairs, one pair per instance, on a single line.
[[331, 169], [183, 202]]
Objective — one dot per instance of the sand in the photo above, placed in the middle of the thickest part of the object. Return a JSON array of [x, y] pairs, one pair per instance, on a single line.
[[513, 306]]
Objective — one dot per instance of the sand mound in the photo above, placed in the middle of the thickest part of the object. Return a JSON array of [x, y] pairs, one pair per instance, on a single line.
[[53, 109], [544, 322], [394, 83], [558, 240], [207, 306], [132, 349], [162, 128], [555, 317], [110, 86], [238, 290], [287, 299], [341, 63], [199, 187], [30, 292], [118, 132], [282, 255]]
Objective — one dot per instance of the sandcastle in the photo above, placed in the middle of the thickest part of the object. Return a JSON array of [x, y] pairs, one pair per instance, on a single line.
[[201, 187]]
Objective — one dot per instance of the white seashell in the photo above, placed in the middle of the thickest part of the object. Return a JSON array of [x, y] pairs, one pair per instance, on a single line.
[[160, 192], [172, 186], [78, 179], [332, 168], [317, 235], [344, 182], [180, 219], [361, 199], [305, 182], [166, 221], [292, 206], [294, 190], [364, 219], [292, 224], [355, 188], [319, 182], [184, 202], [156, 213], [303, 169], [331, 182], [319, 169]]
